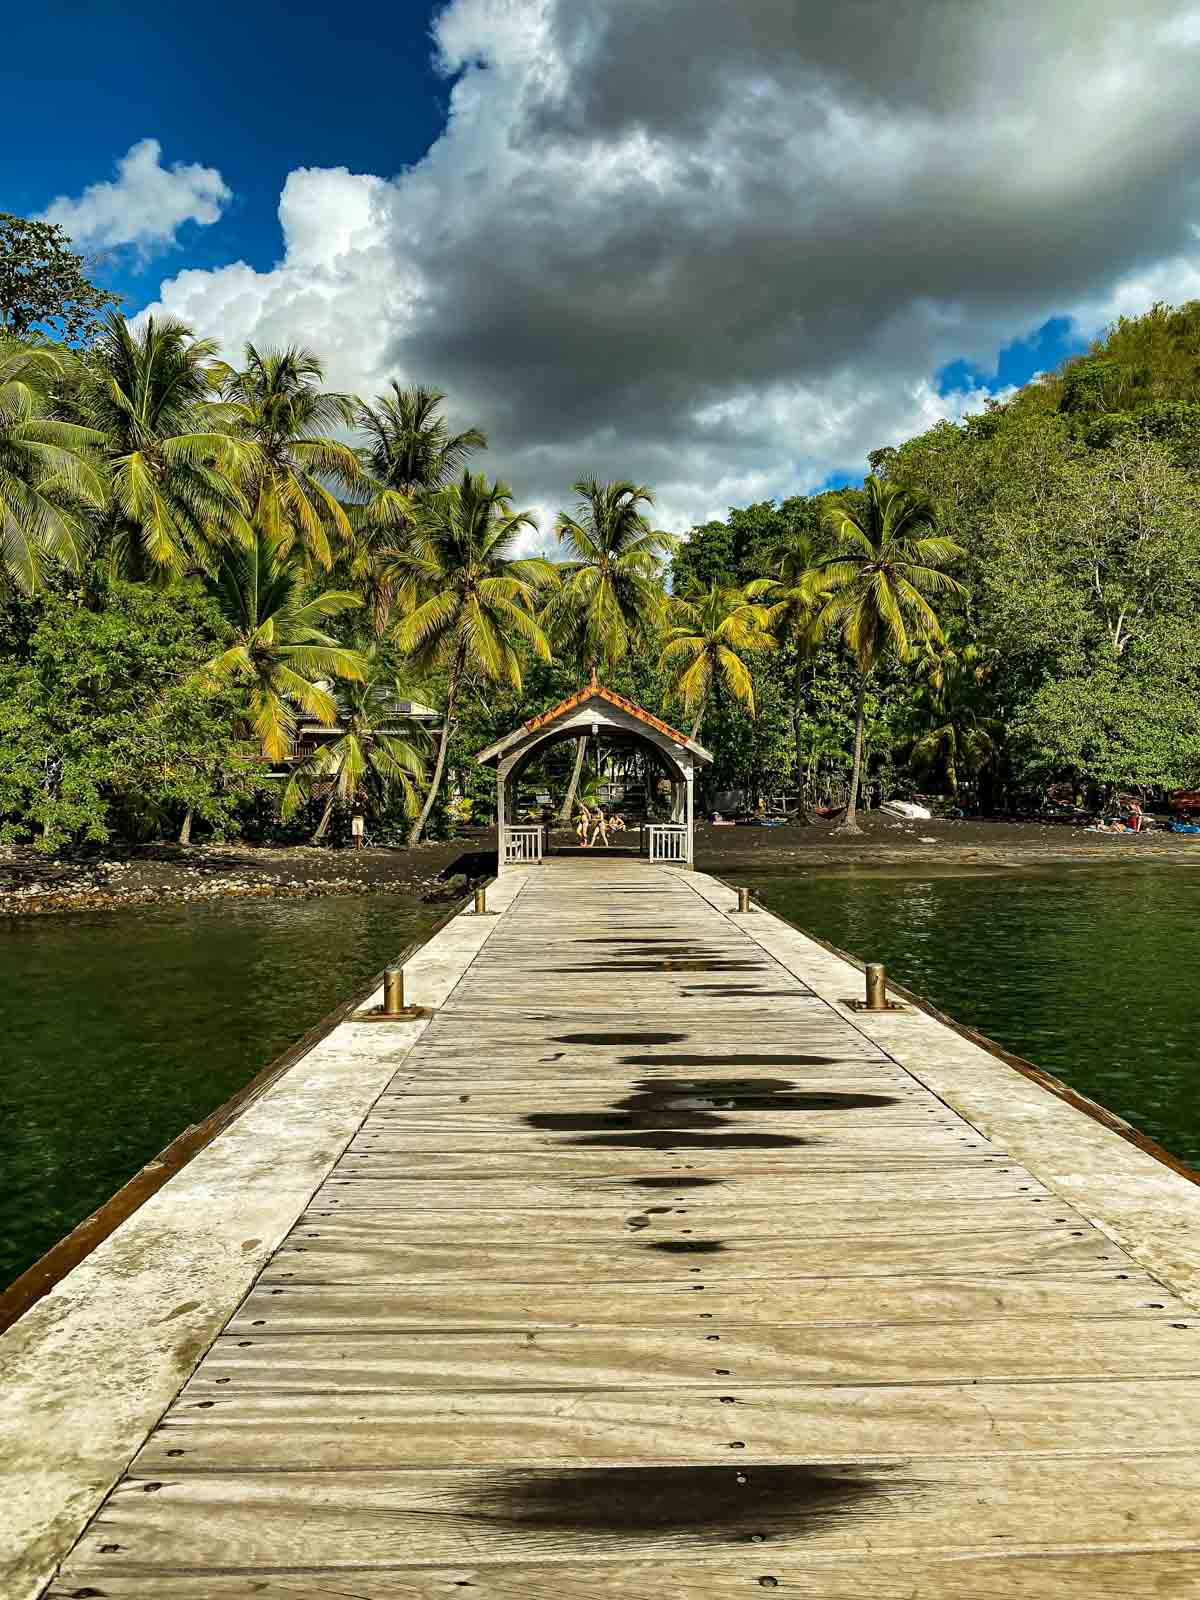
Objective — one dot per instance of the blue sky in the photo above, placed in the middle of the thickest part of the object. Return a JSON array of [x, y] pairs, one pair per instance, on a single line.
[[254, 89], [721, 250], [1017, 362]]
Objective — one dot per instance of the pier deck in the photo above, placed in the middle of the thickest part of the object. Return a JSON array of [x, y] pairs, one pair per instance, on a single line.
[[654, 1272]]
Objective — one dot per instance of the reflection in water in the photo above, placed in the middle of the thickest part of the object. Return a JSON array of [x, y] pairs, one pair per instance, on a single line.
[[121, 1028], [1088, 971]]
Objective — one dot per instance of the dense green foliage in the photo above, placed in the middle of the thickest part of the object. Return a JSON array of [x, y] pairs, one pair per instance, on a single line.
[[103, 725], [205, 566], [43, 286]]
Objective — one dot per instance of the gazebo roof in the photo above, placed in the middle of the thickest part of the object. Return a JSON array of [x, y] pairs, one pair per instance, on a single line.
[[572, 704]]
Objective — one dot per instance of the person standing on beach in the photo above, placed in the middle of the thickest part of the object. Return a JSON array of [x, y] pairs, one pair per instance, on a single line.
[[600, 831], [358, 828], [583, 825]]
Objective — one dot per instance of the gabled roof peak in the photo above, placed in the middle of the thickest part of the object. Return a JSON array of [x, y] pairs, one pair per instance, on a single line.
[[592, 691]]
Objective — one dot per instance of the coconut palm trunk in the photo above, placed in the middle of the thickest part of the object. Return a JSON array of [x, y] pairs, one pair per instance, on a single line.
[[568, 805], [849, 823], [439, 768], [185, 831], [700, 715], [802, 815], [323, 825]]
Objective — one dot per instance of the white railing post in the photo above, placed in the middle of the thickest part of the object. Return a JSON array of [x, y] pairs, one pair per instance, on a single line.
[[668, 841], [523, 843]]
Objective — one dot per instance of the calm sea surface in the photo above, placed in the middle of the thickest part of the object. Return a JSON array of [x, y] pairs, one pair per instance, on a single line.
[[1090, 972], [119, 1029]]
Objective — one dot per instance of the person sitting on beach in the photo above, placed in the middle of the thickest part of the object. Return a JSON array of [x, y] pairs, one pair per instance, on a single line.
[[600, 828], [617, 823], [1136, 820], [583, 826]]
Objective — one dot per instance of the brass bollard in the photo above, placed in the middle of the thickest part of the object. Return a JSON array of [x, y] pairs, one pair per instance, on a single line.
[[481, 902], [744, 902], [393, 992], [876, 987]]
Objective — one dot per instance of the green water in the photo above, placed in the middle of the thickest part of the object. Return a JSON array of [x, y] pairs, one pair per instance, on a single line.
[[119, 1029], [1091, 973]]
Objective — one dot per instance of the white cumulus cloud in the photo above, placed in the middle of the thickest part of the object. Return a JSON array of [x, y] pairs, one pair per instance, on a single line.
[[724, 249], [144, 205]]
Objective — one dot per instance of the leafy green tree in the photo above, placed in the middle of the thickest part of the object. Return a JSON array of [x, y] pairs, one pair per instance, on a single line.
[[280, 656], [291, 463], [467, 600], [706, 559], [1128, 722], [754, 754], [101, 715], [793, 597], [42, 283], [610, 595], [49, 479], [1139, 360], [1114, 546], [377, 750], [709, 639], [886, 562], [173, 468], [723, 555]]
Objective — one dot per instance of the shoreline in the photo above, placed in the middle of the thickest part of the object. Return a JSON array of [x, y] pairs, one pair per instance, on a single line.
[[151, 875]]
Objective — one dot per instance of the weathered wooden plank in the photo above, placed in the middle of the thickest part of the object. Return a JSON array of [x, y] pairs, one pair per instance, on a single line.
[[480, 1072], [341, 1251], [900, 1190], [357, 1520], [672, 1301], [800, 1060], [1108, 1575], [270, 1360], [549, 1124], [817, 1137], [716, 1159], [838, 1112], [427, 1218], [337, 1432], [831, 1099]]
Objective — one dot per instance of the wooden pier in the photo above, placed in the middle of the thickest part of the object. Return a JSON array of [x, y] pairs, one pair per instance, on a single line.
[[654, 1272]]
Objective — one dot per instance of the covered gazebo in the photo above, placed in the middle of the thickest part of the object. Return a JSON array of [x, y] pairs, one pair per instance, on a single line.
[[598, 713]]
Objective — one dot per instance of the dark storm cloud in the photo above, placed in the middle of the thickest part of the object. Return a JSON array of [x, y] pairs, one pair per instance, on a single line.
[[723, 248]]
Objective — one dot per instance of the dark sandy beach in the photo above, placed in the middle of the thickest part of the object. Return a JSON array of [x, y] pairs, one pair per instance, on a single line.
[[141, 875]]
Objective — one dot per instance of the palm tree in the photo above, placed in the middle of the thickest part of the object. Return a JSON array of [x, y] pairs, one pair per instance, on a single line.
[[292, 463], [886, 561], [611, 587], [48, 469], [793, 601], [173, 468], [280, 653], [410, 453], [409, 447], [376, 748], [710, 635], [467, 601], [958, 737]]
